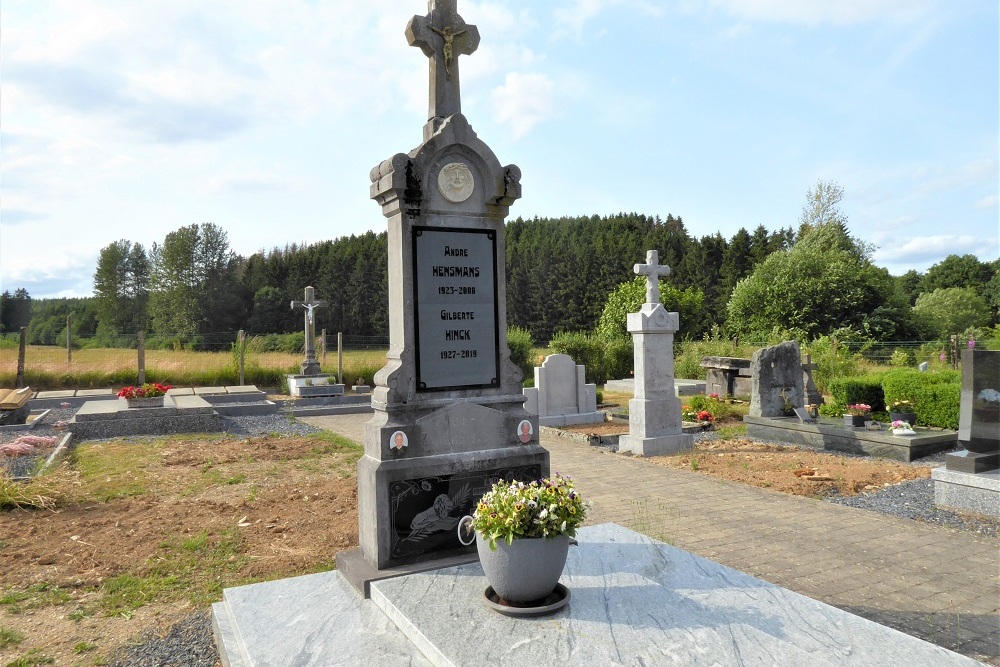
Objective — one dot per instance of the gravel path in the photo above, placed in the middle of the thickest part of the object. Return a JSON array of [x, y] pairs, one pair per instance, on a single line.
[[190, 643]]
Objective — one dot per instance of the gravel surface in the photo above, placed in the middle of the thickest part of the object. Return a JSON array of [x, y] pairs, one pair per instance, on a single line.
[[188, 643]]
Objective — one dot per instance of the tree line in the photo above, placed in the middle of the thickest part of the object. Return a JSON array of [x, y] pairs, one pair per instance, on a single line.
[[806, 282]]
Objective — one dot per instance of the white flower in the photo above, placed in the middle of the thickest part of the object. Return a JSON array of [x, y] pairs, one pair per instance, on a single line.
[[543, 514], [991, 395]]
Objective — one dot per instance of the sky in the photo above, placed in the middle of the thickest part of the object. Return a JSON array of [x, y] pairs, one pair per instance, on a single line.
[[129, 120]]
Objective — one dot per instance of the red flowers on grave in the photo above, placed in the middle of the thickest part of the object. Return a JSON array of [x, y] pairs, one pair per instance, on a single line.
[[148, 390], [704, 416]]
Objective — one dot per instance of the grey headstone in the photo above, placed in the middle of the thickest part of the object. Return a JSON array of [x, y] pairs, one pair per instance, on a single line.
[[923, 367], [561, 395], [776, 380], [979, 413]]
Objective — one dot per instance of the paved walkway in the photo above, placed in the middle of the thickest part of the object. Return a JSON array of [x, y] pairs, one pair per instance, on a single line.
[[928, 581]]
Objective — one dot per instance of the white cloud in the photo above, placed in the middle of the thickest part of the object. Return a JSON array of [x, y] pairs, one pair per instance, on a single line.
[[988, 202], [572, 18], [932, 249], [813, 12], [524, 101]]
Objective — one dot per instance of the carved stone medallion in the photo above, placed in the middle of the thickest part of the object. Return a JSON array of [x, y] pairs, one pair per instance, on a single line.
[[456, 182]]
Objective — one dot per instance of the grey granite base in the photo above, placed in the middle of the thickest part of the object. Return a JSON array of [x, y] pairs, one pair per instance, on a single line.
[[596, 417], [179, 414], [831, 434], [655, 446], [635, 601], [968, 492]]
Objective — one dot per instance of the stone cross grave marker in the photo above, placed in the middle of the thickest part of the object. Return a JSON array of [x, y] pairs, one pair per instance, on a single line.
[[449, 417], [443, 36], [652, 269], [654, 411], [310, 365]]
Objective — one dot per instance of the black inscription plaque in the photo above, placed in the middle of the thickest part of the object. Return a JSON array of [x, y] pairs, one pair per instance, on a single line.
[[455, 300], [425, 512]]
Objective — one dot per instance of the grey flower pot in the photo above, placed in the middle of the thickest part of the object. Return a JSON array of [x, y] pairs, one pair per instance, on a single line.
[[526, 570]]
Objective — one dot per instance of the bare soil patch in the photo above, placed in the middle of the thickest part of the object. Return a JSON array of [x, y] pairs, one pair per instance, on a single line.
[[195, 517]]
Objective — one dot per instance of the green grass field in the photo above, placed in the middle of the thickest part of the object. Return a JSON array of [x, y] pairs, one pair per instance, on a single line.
[[46, 367]]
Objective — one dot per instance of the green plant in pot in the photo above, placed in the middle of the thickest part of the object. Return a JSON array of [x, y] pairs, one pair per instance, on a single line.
[[523, 533]]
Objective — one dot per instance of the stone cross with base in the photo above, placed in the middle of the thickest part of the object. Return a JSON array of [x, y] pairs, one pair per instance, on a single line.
[[654, 411], [443, 36], [310, 365], [652, 269]]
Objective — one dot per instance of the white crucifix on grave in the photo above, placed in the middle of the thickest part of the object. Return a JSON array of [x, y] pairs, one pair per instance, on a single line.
[[310, 365], [653, 270]]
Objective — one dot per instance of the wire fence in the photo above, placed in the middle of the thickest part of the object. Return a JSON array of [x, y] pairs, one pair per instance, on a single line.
[[211, 358]]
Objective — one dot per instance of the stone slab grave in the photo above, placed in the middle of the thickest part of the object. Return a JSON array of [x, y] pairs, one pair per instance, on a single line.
[[635, 601], [654, 414], [970, 480], [448, 413], [682, 386], [561, 395], [729, 377], [179, 414], [830, 434], [779, 380]]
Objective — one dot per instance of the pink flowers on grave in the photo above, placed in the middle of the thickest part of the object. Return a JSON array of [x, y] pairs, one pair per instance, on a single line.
[[26, 444], [148, 390], [858, 409]]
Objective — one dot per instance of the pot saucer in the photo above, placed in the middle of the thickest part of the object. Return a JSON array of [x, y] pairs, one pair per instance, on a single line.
[[558, 599]]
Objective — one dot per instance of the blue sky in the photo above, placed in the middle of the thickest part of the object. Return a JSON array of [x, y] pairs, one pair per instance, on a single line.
[[128, 120]]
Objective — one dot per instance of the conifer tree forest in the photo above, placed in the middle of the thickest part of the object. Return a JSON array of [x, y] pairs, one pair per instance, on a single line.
[[560, 273]]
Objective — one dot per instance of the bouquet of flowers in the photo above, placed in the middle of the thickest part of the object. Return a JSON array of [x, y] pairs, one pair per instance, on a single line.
[[543, 508], [901, 405], [858, 409], [148, 390]]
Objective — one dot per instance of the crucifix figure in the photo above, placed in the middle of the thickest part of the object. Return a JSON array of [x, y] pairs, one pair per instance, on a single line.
[[652, 269], [310, 366], [443, 36]]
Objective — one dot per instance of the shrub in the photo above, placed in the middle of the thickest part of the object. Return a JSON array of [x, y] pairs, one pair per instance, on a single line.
[[900, 357], [935, 395], [619, 357], [832, 361], [520, 343], [585, 349], [865, 389]]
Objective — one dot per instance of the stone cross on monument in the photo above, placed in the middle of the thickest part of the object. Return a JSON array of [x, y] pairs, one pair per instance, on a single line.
[[310, 366], [652, 269], [443, 36], [654, 414]]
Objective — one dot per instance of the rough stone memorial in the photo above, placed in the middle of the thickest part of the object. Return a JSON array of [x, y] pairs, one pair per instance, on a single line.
[[776, 380], [449, 411], [654, 414]]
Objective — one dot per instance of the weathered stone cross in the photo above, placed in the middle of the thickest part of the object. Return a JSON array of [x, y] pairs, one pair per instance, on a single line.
[[443, 36], [652, 269], [310, 366]]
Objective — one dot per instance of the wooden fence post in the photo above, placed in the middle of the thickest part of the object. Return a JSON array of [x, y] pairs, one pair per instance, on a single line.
[[69, 338], [19, 381], [241, 341], [142, 357], [340, 357]]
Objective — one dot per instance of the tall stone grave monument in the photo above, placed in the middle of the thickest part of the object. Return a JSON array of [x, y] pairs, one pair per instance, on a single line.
[[654, 414], [448, 405], [310, 365]]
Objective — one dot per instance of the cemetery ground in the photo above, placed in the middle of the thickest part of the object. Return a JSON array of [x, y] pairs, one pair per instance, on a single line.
[[143, 532]]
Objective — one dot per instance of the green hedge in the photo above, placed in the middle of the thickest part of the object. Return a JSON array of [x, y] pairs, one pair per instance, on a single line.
[[936, 395], [585, 349], [520, 343], [865, 389]]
